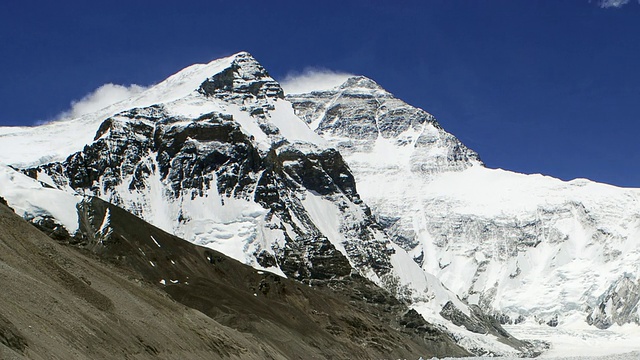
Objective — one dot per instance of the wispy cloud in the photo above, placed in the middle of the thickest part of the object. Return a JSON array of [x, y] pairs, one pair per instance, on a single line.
[[102, 97], [312, 79], [613, 3]]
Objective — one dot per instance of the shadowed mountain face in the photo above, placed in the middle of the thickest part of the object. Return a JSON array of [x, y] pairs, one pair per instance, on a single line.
[[135, 291]]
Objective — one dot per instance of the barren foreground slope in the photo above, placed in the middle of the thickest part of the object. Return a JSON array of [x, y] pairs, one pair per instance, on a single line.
[[118, 300]]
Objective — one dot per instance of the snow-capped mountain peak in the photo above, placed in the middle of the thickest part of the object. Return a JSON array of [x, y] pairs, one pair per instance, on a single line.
[[191, 92], [232, 73], [217, 155], [527, 247], [367, 123], [361, 82], [243, 76]]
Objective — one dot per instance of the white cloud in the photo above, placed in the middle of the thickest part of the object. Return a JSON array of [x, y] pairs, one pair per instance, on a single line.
[[312, 79], [613, 3], [102, 97]]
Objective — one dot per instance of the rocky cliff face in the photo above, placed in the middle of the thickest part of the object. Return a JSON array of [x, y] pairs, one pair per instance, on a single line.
[[204, 166], [380, 134], [618, 305], [524, 247], [356, 114]]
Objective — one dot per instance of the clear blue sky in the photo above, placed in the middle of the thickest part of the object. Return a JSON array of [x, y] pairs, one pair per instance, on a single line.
[[534, 86]]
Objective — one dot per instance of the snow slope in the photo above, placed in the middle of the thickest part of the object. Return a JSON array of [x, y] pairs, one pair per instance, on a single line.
[[32, 146], [35, 201], [520, 246]]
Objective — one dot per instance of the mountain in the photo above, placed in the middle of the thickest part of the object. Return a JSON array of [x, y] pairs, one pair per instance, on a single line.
[[218, 156], [131, 290], [522, 247]]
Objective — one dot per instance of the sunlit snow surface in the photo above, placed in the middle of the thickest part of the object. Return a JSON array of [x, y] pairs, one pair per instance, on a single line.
[[236, 227], [31, 200], [469, 225], [32, 146], [617, 343], [583, 341], [518, 244], [627, 356]]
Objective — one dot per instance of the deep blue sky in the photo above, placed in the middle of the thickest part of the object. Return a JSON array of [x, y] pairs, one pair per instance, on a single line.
[[534, 86]]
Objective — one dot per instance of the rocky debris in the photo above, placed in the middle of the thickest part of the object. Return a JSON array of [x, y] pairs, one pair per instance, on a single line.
[[477, 322], [60, 302], [350, 317], [481, 323], [3, 201], [10, 336], [52, 228]]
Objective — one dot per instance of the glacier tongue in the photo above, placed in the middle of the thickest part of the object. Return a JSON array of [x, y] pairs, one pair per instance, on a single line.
[[525, 247]]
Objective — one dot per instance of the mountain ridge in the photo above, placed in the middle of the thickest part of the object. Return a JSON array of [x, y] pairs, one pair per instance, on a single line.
[[230, 164], [498, 223]]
